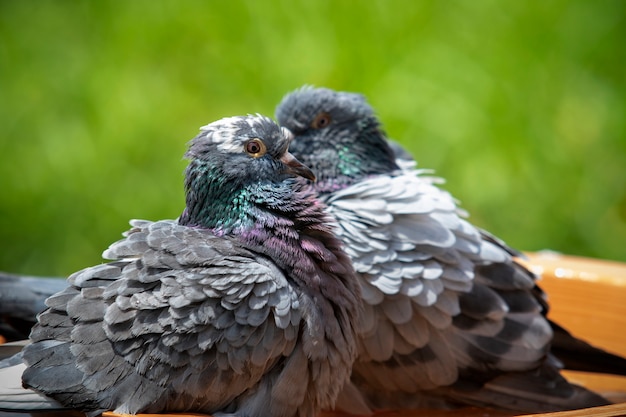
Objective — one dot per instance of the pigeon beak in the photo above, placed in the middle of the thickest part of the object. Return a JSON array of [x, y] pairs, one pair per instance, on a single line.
[[293, 166]]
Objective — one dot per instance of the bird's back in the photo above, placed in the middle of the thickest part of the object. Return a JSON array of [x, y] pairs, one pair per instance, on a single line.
[[450, 316]]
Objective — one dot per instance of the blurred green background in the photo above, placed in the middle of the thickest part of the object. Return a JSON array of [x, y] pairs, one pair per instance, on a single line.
[[520, 105]]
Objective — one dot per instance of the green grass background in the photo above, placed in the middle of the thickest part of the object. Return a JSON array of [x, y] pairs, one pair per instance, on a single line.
[[520, 105]]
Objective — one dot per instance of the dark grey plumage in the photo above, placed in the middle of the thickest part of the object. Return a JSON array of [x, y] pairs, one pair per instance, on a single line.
[[21, 299], [245, 305], [450, 316]]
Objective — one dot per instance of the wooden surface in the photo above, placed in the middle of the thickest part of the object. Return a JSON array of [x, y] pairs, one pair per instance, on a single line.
[[588, 297]]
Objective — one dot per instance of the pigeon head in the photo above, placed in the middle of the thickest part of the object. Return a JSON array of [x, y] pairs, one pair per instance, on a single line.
[[231, 160], [244, 149], [337, 135]]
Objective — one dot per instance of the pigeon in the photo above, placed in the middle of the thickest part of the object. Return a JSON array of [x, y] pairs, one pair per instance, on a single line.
[[21, 299], [244, 306], [450, 317]]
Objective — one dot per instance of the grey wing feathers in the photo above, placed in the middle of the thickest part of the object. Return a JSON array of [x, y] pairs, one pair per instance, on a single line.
[[179, 319], [445, 301]]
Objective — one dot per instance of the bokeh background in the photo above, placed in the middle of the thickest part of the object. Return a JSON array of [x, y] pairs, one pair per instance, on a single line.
[[520, 105]]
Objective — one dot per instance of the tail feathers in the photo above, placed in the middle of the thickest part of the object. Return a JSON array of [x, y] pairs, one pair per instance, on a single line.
[[578, 355], [13, 397], [540, 391], [23, 296]]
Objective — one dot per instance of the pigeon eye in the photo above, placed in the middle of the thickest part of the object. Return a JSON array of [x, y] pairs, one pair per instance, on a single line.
[[255, 148], [321, 120]]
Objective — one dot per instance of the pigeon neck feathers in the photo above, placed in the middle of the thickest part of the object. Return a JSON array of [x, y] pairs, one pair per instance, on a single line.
[[264, 208]]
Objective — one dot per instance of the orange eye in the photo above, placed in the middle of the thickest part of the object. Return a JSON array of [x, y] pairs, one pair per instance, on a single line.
[[321, 121], [255, 148]]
